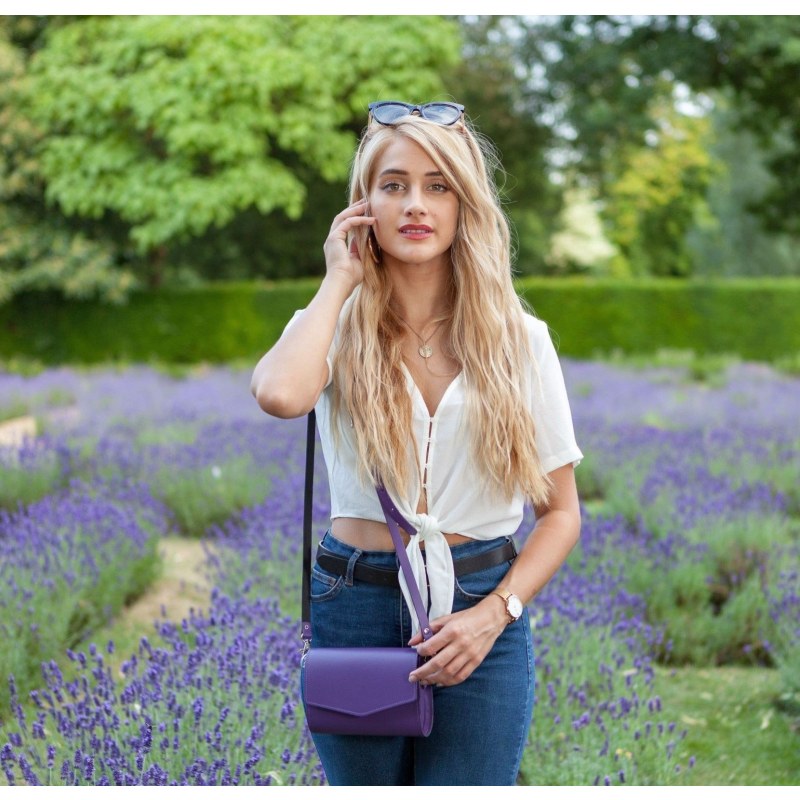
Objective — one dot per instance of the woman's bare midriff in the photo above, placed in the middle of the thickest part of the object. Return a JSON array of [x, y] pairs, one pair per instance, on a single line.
[[366, 534]]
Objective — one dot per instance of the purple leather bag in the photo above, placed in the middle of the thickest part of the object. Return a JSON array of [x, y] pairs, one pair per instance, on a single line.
[[365, 691], [362, 690]]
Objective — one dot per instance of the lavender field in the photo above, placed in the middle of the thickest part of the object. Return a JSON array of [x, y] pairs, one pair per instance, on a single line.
[[690, 554]]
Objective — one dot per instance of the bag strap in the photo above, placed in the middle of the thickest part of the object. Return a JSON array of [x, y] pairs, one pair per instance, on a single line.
[[305, 630], [394, 519]]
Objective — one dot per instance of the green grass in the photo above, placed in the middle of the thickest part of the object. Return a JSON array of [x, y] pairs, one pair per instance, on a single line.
[[205, 496], [738, 728], [707, 368], [14, 407], [24, 485]]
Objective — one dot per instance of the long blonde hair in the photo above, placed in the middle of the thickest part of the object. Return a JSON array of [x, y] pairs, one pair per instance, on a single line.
[[486, 329]]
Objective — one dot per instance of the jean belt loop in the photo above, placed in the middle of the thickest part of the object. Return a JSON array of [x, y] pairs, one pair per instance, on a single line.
[[351, 565]]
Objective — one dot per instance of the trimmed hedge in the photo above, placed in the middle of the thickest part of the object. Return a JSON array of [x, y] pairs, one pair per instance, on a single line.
[[756, 319], [753, 318]]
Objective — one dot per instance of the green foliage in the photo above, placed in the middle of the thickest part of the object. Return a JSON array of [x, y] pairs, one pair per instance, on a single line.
[[728, 238], [759, 58], [199, 498], [25, 483], [709, 615], [653, 201], [754, 319], [220, 322], [211, 323], [177, 124], [163, 149], [503, 102], [603, 73], [39, 249]]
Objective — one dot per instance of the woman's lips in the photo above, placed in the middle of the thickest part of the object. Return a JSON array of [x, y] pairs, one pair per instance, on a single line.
[[416, 231]]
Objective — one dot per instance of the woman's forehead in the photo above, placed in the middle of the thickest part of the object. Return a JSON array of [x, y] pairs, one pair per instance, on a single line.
[[402, 155]]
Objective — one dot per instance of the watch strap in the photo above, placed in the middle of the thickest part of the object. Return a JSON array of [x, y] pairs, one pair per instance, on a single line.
[[506, 595]]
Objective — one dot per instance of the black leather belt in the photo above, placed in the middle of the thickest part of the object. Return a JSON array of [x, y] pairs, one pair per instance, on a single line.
[[383, 576]]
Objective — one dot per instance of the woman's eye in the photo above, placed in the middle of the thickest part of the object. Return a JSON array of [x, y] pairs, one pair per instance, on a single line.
[[392, 186], [440, 187]]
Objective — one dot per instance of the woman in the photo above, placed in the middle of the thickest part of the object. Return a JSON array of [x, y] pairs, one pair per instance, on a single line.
[[426, 371]]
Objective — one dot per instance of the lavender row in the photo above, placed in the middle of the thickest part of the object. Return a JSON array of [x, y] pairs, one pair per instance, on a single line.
[[68, 563]]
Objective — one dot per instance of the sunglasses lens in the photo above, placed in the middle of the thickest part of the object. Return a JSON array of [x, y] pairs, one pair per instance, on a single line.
[[387, 113], [443, 113]]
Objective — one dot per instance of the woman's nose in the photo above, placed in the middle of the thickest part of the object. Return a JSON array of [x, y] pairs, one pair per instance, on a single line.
[[415, 204]]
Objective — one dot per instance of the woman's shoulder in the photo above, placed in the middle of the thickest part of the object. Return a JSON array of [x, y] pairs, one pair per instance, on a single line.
[[537, 330]]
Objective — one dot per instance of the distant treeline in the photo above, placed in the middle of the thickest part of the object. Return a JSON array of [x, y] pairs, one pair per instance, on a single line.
[[154, 151]]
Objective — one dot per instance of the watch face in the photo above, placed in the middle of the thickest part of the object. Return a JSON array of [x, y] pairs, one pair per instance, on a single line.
[[514, 606]]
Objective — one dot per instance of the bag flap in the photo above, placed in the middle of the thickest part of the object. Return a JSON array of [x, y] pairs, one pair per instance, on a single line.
[[359, 681]]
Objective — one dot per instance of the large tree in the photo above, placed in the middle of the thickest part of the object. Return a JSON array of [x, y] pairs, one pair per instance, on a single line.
[[169, 127], [39, 248]]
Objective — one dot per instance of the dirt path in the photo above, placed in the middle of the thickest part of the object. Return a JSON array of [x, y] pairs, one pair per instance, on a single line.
[[182, 585]]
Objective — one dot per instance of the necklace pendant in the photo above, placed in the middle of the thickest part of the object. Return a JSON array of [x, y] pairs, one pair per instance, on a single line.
[[425, 350]]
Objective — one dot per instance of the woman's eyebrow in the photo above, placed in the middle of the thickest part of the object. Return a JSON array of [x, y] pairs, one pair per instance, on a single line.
[[393, 171]]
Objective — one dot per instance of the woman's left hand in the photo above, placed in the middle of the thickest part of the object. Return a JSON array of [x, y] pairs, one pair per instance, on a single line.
[[460, 643]]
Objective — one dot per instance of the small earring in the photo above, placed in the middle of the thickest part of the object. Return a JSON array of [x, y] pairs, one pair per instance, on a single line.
[[373, 246]]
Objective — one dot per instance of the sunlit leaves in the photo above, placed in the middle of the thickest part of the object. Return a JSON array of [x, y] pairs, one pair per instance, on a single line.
[[177, 124]]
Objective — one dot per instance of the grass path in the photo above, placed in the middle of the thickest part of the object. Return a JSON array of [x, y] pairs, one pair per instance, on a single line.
[[735, 730]]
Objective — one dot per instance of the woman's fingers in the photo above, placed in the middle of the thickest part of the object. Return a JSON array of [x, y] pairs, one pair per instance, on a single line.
[[462, 642], [449, 667], [339, 256], [356, 210]]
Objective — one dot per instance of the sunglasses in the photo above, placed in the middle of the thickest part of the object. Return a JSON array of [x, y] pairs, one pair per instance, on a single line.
[[387, 112]]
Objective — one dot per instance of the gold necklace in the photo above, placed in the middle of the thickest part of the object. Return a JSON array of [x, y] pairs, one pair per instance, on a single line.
[[424, 349]]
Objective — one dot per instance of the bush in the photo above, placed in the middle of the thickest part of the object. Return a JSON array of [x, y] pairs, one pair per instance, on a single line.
[[752, 318]]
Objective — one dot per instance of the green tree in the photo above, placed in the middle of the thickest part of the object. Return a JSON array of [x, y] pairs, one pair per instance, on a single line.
[[659, 193], [169, 127], [602, 75], [504, 104], [39, 249], [729, 238]]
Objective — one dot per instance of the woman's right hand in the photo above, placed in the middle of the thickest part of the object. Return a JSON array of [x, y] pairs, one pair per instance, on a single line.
[[339, 259]]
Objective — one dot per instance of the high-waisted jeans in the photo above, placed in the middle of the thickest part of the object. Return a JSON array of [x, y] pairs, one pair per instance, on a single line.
[[480, 725]]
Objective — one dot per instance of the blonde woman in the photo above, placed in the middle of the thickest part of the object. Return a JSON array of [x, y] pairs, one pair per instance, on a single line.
[[425, 370]]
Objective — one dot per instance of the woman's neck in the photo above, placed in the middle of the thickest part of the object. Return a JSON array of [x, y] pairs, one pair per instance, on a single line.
[[421, 295]]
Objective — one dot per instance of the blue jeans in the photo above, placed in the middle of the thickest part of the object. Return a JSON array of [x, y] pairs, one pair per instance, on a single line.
[[480, 726]]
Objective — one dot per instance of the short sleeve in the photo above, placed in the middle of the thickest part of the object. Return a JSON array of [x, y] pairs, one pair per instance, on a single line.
[[331, 350], [555, 435]]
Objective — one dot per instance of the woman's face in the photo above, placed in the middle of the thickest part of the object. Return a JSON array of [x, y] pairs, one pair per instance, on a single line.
[[415, 210]]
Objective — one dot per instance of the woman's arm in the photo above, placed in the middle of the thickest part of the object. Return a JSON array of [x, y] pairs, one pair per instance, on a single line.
[[557, 529], [287, 381], [462, 640]]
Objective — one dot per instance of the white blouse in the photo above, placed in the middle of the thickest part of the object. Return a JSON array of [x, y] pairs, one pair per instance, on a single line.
[[458, 501]]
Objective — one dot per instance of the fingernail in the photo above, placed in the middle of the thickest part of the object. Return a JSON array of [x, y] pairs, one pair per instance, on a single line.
[[412, 679]]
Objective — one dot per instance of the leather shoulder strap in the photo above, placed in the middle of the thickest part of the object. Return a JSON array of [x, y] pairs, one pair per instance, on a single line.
[[393, 519]]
